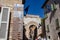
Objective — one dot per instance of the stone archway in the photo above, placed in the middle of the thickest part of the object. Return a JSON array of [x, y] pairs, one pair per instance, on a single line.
[[27, 28]]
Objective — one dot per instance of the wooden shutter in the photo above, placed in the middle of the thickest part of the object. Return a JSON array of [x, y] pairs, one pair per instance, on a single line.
[[5, 13]]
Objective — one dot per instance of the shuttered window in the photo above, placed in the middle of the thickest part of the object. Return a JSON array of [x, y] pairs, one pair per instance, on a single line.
[[5, 13]]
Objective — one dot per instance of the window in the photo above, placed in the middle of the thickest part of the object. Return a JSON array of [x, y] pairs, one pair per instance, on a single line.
[[5, 13], [53, 7], [0, 9], [49, 37], [47, 28], [57, 24], [58, 35], [0, 16]]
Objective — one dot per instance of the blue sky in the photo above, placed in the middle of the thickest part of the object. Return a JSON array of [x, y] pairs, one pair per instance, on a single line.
[[34, 7]]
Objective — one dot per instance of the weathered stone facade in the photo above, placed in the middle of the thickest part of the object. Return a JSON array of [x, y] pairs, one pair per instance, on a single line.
[[11, 4], [52, 28], [32, 20]]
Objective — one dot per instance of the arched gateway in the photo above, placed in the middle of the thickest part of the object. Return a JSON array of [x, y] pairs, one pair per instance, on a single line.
[[31, 30]]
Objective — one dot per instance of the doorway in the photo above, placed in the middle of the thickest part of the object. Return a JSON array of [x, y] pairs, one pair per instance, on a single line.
[[33, 32]]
